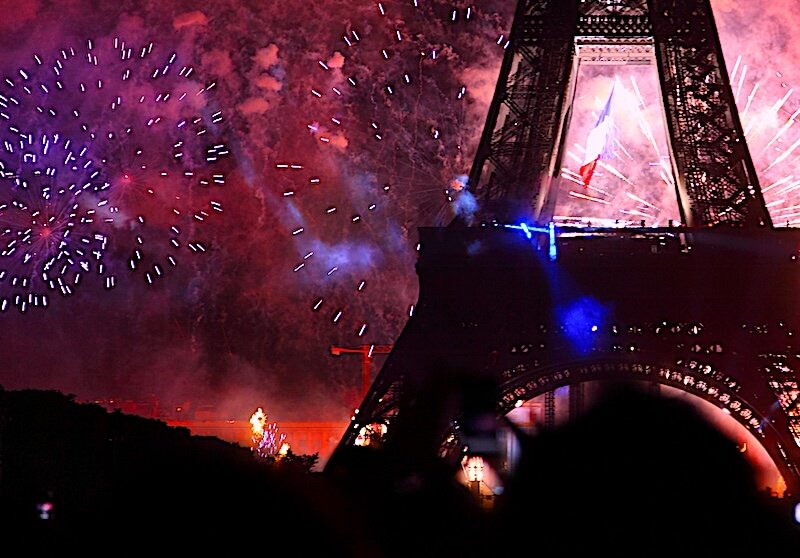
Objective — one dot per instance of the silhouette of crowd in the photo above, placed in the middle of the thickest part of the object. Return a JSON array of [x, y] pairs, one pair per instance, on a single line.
[[635, 475]]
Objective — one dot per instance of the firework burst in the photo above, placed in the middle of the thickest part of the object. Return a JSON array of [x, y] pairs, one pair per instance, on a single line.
[[110, 159], [636, 184], [268, 441], [379, 173]]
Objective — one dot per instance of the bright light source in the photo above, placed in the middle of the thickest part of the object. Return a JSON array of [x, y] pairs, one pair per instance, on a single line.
[[44, 508], [474, 469]]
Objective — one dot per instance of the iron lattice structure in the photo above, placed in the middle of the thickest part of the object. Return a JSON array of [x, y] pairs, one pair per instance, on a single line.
[[519, 153], [707, 307]]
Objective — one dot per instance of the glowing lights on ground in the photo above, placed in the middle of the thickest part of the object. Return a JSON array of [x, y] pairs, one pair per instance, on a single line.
[[267, 440], [371, 435], [481, 480], [473, 468], [45, 510]]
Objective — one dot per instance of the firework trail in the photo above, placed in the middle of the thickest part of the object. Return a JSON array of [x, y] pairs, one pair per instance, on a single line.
[[109, 160]]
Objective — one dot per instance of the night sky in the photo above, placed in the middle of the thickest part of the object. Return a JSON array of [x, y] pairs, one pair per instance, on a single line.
[[345, 127]]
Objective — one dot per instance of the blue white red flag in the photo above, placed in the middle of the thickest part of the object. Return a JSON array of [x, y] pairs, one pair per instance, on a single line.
[[600, 143]]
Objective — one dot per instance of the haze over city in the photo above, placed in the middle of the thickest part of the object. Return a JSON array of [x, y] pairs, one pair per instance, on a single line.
[[338, 128]]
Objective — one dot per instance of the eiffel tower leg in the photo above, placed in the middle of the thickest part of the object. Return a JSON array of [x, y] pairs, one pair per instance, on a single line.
[[743, 274], [575, 400]]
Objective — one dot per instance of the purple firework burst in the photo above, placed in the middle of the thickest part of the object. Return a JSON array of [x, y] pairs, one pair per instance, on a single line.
[[111, 157]]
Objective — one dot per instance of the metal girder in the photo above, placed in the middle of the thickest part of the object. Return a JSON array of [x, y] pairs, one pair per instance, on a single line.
[[518, 155], [603, 18], [715, 176], [515, 159]]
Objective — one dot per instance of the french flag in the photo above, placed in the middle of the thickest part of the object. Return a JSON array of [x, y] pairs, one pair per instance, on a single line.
[[600, 143]]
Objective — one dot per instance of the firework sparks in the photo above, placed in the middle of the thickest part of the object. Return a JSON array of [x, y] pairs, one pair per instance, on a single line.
[[769, 124], [769, 121], [371, 435], [268, 441], [416, 125], [108, 155], [630, 186]]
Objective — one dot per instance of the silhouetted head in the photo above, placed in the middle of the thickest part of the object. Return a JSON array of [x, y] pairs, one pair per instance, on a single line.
[[637, 474]]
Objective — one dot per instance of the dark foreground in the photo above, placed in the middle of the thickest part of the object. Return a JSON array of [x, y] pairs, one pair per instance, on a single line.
[[76, 477]]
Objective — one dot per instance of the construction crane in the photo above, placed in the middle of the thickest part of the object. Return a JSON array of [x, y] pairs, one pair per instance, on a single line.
[[367, 353]]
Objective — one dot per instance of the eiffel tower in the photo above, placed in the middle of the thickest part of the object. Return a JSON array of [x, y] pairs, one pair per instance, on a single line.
[[708, 306]]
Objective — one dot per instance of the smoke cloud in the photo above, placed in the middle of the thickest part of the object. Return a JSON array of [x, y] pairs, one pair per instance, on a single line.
[[346, 127]]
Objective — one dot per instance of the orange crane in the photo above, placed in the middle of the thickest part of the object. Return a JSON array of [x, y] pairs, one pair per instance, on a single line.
[[367, 353]]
